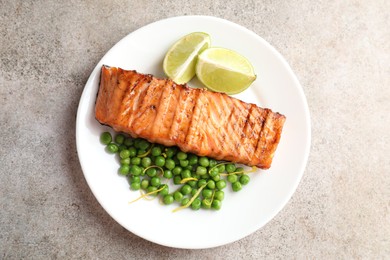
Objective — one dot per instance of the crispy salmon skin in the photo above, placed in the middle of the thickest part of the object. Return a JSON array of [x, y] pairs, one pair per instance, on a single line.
[[196, 120]]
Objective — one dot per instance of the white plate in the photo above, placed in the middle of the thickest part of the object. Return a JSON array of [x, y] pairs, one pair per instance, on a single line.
[[242, 213]]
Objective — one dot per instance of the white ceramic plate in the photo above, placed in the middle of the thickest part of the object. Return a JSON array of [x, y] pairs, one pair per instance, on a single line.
[[242, 213]]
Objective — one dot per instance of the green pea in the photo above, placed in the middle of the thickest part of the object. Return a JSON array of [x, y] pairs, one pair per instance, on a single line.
[[151, 172], [151, 189], [177, 195], [136, 161], [124, 154], [186, 189], [112, 148], [144, 184], [221, 184], [205, 176], [136, 142], [144, 145], [170, 152], [244, 179], [207, 193], [128, 142], [240, 169], [168, 199], [122, 147], [216, 204], [169, 164], [192, 159], [135, 178], [133, 151], [194, 191], [216, 178], [164, 191], [125, 161], [155, 181], [156, 151], [201, 183], [135, 186], [177, 179], [124, 169], [184, 163], [195, 205], [214, 172], [105, 138], [211, 184], [201, 170], [160, 161], [206, 204], [119, 138], [230, 167], [185, 174], [212, 163], [232, 178], [204, 161], [219, 195], [221, 168], [236, 186], [146, 162], [192, 183], [177, 170], [168, 174], [181, 155], [141, 152], [196, 176], [184, 201], [135, 170]]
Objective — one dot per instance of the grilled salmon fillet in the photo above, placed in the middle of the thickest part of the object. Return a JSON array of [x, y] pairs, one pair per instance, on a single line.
[[196, 120]]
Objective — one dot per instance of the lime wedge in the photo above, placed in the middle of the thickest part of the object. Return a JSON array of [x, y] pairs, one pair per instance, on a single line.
[[224, 70], [180, 60]]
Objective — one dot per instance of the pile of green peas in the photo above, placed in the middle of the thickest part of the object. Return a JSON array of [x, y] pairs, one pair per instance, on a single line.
[[149, 167]]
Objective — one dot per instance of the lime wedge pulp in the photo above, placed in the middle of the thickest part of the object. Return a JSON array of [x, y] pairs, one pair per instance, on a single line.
[[224, 70], [180, 60]]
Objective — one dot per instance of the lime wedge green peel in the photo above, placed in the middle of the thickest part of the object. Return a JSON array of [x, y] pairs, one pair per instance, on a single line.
[[180, 61]]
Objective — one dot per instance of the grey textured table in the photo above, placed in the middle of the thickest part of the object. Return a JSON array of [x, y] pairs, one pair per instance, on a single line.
[[340, 51]]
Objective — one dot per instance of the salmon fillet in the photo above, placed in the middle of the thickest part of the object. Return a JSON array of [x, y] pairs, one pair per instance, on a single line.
[[198, 121]]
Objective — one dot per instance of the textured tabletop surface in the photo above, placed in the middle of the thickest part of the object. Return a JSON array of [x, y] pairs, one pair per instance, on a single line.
[[339, 50]]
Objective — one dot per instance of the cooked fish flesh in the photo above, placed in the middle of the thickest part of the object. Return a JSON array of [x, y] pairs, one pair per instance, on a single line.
[[196, 120]]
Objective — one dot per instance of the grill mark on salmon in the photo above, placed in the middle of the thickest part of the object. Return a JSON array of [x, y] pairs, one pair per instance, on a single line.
[[239, 117], [248, 131], [260, 116], [138, 94], [217, 121], [196, 138], [196, 120], [183, 115], [147, 110], [128, 100], [165, 113]]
